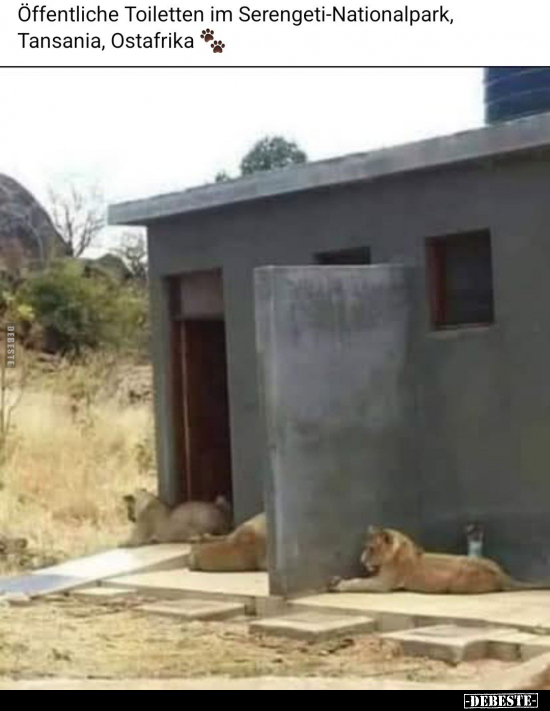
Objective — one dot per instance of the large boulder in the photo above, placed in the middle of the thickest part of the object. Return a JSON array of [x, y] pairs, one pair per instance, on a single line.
[[27, 233]]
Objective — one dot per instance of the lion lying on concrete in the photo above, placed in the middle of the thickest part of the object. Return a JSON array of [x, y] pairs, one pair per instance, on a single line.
[[154, 522], [397, 563], [244, 549]]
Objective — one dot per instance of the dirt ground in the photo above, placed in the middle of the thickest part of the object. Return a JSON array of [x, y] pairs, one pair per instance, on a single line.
[[66, 638]]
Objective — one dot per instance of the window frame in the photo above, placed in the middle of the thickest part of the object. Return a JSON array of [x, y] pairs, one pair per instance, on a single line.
[[436, 267]]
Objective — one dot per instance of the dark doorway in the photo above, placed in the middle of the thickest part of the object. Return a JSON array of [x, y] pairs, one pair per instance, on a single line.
[[207, 410], [201, 399]]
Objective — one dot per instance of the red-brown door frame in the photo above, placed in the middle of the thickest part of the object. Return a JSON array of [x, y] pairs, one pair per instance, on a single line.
[[180, 400], [177, 364]]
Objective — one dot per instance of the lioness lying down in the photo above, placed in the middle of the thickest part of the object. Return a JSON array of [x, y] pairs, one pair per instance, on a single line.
[[397, 563], [244, 549], [154, 522]]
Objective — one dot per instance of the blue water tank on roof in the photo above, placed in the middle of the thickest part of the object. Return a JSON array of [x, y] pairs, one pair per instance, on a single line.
[[512, 92]]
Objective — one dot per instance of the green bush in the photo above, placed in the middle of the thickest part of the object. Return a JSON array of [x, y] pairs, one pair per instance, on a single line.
[[79, 311]]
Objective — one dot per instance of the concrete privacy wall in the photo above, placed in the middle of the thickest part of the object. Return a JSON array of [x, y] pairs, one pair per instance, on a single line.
[[333, 346]]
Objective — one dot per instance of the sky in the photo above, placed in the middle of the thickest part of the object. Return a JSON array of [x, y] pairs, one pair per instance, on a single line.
[[139, 132]]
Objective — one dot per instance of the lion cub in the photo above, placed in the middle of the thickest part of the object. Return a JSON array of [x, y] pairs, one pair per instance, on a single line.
[[397, 563], [244, 549], [154, 522]]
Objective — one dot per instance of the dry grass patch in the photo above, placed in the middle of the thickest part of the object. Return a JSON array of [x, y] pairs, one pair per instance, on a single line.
[[67, 467]]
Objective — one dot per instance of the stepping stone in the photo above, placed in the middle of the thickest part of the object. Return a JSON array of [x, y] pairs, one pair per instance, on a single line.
[[99, 594], [313, 626], [195, 609], [451, 643], [512, 645], [448, 643]]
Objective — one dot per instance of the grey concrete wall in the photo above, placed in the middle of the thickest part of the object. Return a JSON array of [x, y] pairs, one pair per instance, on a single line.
[[484, 393], [334, 364]]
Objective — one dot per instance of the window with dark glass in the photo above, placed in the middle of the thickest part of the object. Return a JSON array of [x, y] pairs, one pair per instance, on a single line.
[[350, 256], [460, 279]]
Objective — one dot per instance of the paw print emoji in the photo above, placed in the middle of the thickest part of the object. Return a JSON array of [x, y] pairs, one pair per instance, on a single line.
[[207, 35], [217, 47]]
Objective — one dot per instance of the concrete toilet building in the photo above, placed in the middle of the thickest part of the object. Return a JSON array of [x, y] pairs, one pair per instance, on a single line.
[[364, 340]]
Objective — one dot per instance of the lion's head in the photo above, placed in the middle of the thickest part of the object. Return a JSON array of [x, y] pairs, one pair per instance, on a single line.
[[137, 502], [130, 502], [386, 546]]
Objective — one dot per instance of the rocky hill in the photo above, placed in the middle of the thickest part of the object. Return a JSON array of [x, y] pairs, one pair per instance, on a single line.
[[27, 233]]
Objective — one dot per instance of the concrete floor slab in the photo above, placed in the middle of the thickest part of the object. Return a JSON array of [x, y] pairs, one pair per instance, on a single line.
[[179, 583], [121, 561], [195, 609], [83, 571], [38, 585], [527, 610], [313, 626]]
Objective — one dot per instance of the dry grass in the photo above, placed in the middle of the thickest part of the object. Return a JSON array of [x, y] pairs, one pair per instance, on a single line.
[[68, 463]]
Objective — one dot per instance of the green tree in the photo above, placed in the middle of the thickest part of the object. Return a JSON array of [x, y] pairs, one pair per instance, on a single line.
[[271, 152], [78, 312], [222, 177]]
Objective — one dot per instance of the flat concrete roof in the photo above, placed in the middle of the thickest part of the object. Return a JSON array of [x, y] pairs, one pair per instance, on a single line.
[[517, 136]]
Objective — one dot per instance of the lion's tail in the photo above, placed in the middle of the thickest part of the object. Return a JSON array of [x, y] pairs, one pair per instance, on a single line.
[[511, 585]]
